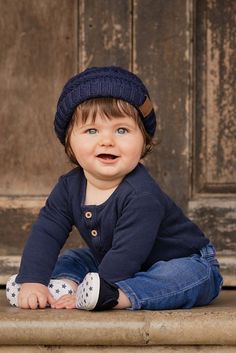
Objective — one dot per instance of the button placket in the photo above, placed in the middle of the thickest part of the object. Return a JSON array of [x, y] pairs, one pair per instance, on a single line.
[[90, 220], [91, 223]]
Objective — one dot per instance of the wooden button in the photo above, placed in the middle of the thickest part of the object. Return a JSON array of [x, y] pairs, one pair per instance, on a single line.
[[88, 214], [94, 233]]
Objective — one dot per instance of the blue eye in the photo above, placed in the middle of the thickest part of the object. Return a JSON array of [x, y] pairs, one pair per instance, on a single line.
[[91, 131], [122, 130]]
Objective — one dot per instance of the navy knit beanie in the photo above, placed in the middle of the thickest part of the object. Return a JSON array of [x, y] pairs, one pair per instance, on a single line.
[[110, 81]]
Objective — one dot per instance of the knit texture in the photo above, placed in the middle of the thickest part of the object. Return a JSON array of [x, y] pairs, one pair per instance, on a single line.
[[96, 82], [136, 227]]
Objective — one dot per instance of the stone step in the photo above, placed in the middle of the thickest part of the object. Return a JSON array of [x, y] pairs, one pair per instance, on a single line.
[[203, 329]]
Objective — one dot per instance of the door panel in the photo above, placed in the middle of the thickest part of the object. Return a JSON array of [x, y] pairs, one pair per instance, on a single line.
[[213, 205], [37, 56], [161, 45], [215, 162], [105, 33], [185, 52]]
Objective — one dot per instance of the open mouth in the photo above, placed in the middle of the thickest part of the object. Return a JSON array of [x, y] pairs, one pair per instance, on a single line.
[[107, 156]]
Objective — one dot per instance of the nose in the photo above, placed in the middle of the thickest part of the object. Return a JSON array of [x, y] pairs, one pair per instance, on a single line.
[[106, 139]]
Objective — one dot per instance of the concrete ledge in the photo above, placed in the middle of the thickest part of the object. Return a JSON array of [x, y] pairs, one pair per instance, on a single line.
[[212, 325], [96, 349]]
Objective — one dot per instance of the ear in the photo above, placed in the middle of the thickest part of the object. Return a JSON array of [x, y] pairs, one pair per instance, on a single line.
[[144, 150]]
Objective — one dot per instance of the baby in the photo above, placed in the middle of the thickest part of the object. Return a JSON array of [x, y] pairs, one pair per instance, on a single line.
[[142, 251]]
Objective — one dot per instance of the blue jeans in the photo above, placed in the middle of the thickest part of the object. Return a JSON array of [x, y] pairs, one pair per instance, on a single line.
[[179, 283]]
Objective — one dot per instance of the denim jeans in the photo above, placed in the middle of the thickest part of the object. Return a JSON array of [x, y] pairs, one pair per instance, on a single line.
[[179, 283]]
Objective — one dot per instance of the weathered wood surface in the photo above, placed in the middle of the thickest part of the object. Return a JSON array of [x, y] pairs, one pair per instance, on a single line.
[[16, 218], [215, 144], [214, 169], [185, 53], [217, 218], [162, 57], [37, 56], [105, 33]]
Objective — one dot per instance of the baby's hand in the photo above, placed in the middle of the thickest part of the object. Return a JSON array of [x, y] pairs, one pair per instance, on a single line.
[[33, 296], [67, 301]]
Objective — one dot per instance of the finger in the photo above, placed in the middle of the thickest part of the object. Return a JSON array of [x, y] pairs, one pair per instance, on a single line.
[[71, 304], [42, 301], [62, 302], [66, 302], [59, 303], [19, 300], [23, 302], [33, 301], [50, 299], [62, 299]]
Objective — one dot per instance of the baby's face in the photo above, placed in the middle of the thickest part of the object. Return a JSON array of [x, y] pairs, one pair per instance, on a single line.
[[107, 149]]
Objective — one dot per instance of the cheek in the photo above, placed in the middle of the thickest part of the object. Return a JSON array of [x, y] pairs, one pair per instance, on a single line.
[[76, 147], [140, 146], [135, 148], [140, 151], [81, 151]]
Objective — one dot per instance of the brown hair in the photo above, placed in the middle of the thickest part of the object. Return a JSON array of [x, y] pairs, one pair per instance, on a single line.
[[108, 107]]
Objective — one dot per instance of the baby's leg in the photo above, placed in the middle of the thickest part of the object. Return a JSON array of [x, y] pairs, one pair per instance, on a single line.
[[61, 287], [123, 301], [57, 288], [74, 264], [12, 290], [94, 293], [70, 269], [66, 301], [175, 284]]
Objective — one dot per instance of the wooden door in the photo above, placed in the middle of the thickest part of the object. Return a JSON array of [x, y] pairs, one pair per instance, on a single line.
[[185, 52], [37, 55], [213, 204]]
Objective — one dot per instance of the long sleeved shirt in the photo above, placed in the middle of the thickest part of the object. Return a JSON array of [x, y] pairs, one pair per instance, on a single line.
[[135, 227]]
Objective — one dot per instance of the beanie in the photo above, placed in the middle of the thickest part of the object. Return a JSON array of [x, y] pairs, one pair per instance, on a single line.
[[109, 81]]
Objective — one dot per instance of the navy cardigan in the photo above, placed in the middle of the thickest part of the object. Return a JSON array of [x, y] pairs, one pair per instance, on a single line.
[[135, 227]]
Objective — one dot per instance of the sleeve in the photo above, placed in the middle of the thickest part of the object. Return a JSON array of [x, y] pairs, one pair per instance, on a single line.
[[133, 239], [47, 237]]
